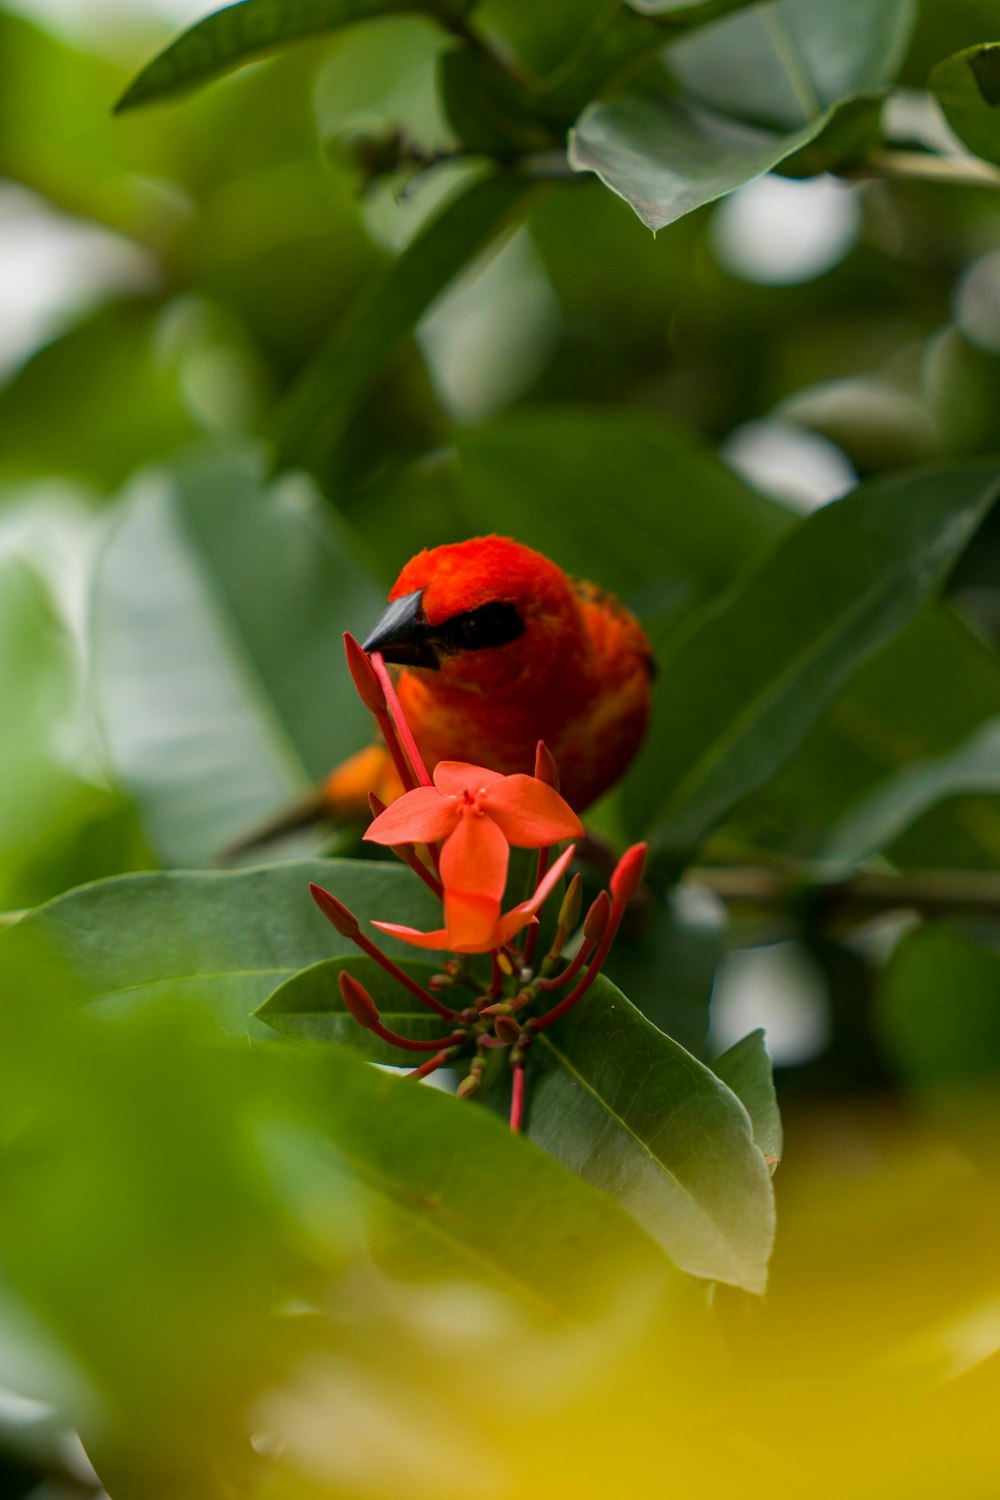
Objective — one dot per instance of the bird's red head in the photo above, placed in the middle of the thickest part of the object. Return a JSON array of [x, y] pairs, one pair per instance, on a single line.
[[488, 614]]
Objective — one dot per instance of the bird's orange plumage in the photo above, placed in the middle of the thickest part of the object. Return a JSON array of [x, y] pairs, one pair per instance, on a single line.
[[577, 676]]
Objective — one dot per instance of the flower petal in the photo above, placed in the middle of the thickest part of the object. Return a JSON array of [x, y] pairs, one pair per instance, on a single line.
[[530, 814], [475, 857], [453, 777], [471, 922], [420, 816], [545, 887], [438, 939]]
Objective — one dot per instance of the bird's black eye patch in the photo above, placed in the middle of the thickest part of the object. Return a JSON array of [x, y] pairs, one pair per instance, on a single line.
[[479, 629]]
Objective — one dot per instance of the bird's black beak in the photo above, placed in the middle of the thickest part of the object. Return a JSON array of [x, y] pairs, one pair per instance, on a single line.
[[402, 635]]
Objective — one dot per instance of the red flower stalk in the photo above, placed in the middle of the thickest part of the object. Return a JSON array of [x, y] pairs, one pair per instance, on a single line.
[[606, 921], [364, 1010], [348, 926]]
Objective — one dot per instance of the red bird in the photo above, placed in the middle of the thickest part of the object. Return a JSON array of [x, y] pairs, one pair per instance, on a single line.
[[498, 649]]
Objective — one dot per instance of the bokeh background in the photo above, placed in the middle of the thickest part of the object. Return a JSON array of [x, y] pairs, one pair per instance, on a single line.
[[655, 413]]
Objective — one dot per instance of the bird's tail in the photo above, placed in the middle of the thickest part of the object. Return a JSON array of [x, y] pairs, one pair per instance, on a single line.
[[340, 799]]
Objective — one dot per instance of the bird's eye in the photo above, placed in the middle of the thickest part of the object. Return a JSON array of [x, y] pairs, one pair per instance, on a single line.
[[479, 629]]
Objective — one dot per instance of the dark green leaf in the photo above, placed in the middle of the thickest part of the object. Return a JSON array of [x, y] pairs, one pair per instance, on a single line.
[[319, 405], [972, 768], [487, 108], [937, 1012], [223, 940], [757, 670], [968, 90], [617, 1101], [466, 1196], [218, 663], [746, 1069], [238, 33], [666, 552]]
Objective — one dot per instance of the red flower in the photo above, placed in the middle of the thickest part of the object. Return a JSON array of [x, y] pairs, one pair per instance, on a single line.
[[478, 814], [504, 928]]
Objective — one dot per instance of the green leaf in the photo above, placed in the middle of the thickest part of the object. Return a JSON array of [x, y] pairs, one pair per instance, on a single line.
[[755, 89], [487, 108], [218, 668], [617, 1101], [783, 65], [968, 90], [746, 1069], [239, 33], [319, 404], [697, 11], [467, 1197], [936, 1010], [309, 1006], [972, 768], [222, 940], [755, 672], [877, 726], [663, 554], [667, 157]]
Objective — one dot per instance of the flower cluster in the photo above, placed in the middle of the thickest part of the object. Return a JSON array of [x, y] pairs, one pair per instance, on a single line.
[[455, 830]]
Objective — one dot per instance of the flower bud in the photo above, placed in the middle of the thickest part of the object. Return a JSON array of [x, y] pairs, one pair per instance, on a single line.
[[596, 919], [335, 911], [468, 1086], [545, 767], [358, 1001], [628, 873], [507, 1030], [363, 675], [569, 912]]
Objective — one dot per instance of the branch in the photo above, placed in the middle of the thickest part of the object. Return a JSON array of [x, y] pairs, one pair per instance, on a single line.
[[930, 891]]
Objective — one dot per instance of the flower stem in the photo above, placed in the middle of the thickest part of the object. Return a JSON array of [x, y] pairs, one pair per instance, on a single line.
[[367, 946], [410, 1044], [531, 939], [433, 1063], [539, 1023], [403, 729]]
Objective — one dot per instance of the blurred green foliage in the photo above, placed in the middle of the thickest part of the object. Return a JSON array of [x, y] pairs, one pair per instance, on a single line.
[[262, 339]]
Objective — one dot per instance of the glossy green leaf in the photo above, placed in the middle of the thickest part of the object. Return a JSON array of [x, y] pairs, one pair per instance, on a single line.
[[469, 1198], [250, 29], [936, 1010], [970, 769], [617, 1101], [320, 403], [967, 87], [218, 661], [782, 65], [667, 157], [875, 728], [757, 670], [223, 940], [665, 553], [746, 1069], [309, 1006], [755, 89]]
